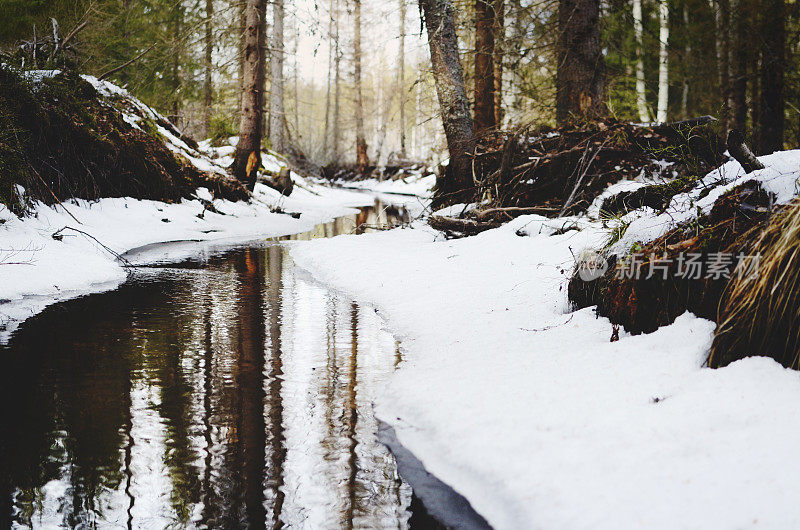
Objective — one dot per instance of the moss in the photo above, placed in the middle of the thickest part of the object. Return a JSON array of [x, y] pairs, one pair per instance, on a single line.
[[657, 196], [61, 140], [151, 128]]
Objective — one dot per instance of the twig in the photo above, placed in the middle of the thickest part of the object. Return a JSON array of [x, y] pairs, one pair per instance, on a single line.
[[125, 64], [514, 210], [125, 262], [580, 179], [53, 194], [74, 32]]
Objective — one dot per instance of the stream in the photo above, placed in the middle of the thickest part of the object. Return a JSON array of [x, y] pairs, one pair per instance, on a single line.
[[226, 390]]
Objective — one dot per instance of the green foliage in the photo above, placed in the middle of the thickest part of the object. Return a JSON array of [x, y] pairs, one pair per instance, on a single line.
[[221, 128], [697, 69]]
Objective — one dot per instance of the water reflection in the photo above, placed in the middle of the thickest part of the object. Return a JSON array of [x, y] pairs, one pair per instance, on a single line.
[[236, 393]]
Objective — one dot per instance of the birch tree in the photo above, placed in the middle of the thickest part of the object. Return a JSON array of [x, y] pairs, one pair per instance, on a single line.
[[663, 62], [401, 77], [638, 30], [328, 87], [337, 60]]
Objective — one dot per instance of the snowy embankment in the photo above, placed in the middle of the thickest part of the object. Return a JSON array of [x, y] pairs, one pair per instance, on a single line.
[[36, 269], [533, 414], [65, 250]]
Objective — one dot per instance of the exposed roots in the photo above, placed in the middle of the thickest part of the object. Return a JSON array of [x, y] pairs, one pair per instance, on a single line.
[[643, 303]]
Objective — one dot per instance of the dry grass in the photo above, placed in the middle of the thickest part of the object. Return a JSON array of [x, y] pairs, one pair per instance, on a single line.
[[759, 314]]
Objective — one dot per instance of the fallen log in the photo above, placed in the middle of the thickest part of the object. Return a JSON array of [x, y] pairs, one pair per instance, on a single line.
[[739, 150], [467, 227]]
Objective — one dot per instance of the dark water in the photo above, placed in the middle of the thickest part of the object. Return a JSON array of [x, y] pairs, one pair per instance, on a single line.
[[229, 391]]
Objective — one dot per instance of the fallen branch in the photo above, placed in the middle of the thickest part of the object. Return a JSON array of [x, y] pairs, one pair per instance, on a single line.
[[684, 124], [74, 32], [513, 211], [57, 235], [578, 183], [739, 150]]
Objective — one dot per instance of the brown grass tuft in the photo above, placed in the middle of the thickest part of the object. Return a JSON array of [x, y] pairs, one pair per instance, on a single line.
[[759, 314]]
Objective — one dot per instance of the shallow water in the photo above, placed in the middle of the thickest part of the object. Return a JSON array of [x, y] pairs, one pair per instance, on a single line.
[[229, 390]]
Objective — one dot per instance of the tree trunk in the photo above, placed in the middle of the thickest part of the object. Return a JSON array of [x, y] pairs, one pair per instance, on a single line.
[[385, 119], [337, 131], [295, 91], [638, 30], [362, 158], [663, 62], [177, 59], [247, 158], [448, 76], [773, 65], [325, 141], [485, 20], [687, 54], [242, 14], [276, 108], [722, 44], [208, 89], [580, 83], [499, 59], [739, 66], [401, 77]]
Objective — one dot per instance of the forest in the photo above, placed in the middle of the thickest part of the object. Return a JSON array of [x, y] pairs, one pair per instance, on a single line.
[[399, 264], [363, 76]]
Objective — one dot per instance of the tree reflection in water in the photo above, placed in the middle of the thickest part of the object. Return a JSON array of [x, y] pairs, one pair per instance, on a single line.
[[235, 393]]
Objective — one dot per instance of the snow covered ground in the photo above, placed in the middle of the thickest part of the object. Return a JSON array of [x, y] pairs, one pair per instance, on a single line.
[[528, 409], [414, 183]]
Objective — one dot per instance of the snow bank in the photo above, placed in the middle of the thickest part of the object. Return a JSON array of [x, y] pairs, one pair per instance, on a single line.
[[537, 418], [36, 269]]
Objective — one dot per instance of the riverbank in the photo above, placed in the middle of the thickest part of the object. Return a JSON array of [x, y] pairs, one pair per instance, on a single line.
[[537, 416], [61, 251]]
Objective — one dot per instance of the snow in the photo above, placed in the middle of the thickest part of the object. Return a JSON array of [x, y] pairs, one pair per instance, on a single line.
[[416, 184], [522, 405], [528, 410]]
